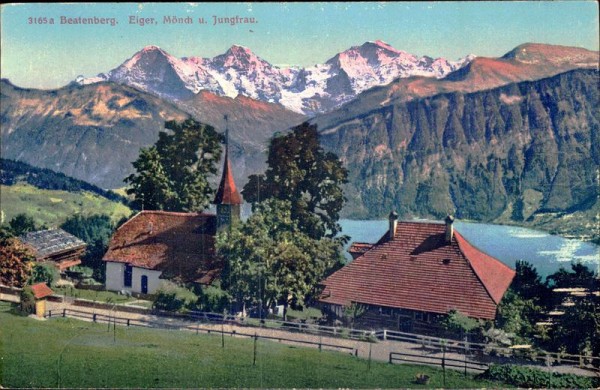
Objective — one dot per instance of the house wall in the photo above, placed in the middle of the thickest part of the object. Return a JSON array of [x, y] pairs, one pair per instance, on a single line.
[[377, 317], [115, 277]]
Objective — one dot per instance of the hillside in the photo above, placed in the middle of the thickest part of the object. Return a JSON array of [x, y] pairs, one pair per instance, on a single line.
[[13, 172], [94, 132], [53, 207], [521, 153]]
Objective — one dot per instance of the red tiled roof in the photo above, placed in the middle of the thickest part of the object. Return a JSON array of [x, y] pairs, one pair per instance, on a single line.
[[40, 290], [227, 192], [181, 245], [419, 270]]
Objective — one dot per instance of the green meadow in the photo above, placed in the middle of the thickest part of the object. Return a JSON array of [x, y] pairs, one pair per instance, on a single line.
[[51, 207], [71, 353]]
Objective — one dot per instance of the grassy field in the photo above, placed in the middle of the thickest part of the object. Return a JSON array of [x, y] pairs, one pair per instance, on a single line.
[[70, 353], [53, 207]]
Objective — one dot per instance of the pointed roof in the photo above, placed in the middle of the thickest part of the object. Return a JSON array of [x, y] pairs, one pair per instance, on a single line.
[[41, 290], [419, 270], [227, 192]]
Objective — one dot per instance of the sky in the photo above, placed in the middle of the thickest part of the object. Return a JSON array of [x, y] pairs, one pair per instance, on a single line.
[[38, 54]]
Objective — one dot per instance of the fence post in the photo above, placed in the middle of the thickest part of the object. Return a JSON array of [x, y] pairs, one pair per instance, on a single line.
[[94, 318], [128, 322], [444, 361], [255, 338], [222, 335], [320, 341], [385, 334], [369, 363], [390, 359], [64, 312]]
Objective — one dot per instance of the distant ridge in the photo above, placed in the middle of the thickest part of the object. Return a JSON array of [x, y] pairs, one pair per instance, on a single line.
[[13, 172]]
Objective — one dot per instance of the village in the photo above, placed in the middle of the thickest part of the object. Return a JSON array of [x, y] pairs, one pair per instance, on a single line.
[[422, 293]]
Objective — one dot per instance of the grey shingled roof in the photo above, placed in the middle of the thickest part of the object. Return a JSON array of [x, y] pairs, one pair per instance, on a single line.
[[48, 242]]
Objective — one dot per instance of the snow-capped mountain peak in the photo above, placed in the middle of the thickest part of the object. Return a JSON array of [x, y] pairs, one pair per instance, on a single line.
[[239, 71]]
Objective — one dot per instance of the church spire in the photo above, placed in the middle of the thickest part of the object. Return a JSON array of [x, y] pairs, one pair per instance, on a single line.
[[228, 199], [227, 192]]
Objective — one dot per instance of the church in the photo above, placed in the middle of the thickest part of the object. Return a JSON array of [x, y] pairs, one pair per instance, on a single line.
[[161, 245]]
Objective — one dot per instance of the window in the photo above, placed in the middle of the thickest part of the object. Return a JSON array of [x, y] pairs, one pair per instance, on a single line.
[[385, 311], [127, 275]]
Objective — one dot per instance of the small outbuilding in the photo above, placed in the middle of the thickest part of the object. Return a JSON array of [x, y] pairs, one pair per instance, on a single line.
[[40, 292], [55, 246]]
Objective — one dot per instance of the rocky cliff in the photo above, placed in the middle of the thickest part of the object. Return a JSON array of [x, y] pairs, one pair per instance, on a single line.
[[510, 153]]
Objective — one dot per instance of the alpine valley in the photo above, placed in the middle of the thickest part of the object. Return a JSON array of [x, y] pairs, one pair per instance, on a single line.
[[513, 139]]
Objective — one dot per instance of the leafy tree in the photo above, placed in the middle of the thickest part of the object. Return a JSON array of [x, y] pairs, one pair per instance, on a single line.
[[27, 300], [518, 315], [16, 262], [580, 276], [96, 231], [578, 330], [269, 260], [21, 224], [44, 273], [528, 284], [172, 174], [150, 185], [302, 173], [459, 323]]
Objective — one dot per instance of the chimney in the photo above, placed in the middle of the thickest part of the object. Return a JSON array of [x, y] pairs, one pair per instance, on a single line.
[[393, 218], [449, 228]]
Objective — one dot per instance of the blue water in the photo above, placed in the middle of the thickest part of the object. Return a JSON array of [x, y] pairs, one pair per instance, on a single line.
[[506, 243]]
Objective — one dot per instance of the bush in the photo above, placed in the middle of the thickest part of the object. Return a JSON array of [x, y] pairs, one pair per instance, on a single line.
[[533, 378], [171, 297], [44, 273], [213, 299], [27, 300]]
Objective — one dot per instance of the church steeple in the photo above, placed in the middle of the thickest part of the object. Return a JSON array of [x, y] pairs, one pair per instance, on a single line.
[[228, 199]]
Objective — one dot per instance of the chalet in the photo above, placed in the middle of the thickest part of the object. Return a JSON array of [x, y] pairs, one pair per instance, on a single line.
[[55, 246], [415, 275], [157, 245]]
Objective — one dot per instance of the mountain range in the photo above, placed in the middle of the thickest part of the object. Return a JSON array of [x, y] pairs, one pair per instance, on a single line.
[[309, 91], [510, 139]]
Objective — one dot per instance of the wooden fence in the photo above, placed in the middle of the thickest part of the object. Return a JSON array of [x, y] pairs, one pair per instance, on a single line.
[[465, 364], [186, 325]]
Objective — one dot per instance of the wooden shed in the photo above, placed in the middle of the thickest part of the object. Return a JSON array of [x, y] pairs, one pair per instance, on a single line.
[[40, 292]]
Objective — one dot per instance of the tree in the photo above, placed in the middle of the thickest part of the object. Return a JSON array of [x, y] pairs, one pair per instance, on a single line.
[[21, 224], [528, 284], [173, 174], [578, 330], [150, 186], [27, 300], [517, 315], [96, 231], [579, 276], [16, 262], [269, 260], [302, 173], [44, 273]]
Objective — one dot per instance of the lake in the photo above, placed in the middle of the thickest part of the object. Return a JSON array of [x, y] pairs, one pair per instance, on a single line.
[[506, 243]]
